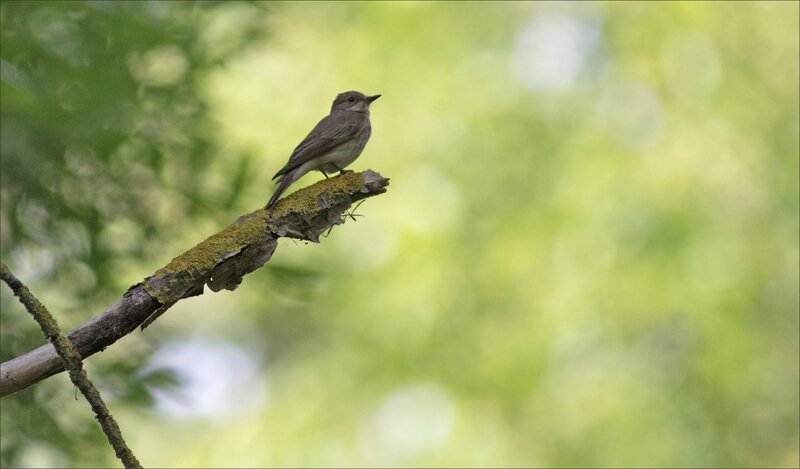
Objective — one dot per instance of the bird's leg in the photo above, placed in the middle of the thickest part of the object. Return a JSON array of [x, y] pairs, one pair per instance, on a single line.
[[341, 171], [324, 173]]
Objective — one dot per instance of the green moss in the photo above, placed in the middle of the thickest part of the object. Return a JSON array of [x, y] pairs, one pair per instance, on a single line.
[[205, 255], [306, 200], [193, 266]]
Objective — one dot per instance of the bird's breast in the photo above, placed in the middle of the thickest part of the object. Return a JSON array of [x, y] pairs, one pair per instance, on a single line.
[[342, 155]]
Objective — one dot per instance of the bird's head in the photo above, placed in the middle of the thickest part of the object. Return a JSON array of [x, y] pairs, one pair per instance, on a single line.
[[353, 101]]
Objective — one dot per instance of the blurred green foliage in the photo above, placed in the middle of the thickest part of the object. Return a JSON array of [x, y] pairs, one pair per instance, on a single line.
[[105, 143], [588, 254]]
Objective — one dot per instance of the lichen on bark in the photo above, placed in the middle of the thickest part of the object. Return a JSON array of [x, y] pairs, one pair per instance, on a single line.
[[194, 267], [224, 258]]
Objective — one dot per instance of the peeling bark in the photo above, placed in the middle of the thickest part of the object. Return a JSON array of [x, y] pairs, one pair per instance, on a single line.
[[221, 262]]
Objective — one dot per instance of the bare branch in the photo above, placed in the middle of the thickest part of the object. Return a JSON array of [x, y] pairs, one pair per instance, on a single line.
[[71, 360], [219, 262]]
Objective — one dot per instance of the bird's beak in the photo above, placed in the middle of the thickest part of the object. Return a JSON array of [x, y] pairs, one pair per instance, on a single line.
[[373, 98]]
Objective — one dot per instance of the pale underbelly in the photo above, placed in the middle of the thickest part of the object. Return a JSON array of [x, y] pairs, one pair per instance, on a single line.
[[338, 158]]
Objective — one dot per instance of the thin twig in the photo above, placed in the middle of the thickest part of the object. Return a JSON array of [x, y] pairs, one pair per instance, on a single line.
[[72, 362]]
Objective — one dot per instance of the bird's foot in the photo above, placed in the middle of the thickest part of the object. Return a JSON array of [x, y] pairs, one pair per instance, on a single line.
[[341, 171]]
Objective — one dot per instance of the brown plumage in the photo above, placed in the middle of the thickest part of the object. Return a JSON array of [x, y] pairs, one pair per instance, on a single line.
[[335, 142]]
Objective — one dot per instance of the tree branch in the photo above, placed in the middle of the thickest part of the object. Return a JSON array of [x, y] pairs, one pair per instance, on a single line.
[[71, 360], [219, 262]]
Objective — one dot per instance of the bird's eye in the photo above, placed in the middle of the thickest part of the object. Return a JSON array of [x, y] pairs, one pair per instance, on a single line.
[[351, 99]]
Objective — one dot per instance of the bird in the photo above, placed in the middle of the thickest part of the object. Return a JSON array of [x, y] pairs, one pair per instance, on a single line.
[[335, 142]]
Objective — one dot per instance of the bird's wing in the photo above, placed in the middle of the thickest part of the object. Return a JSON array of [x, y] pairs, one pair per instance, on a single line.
[[333, 130]]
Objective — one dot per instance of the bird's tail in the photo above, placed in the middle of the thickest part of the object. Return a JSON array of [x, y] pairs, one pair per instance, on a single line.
[[285, 182]]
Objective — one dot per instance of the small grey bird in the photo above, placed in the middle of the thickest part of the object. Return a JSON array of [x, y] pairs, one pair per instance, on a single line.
[[335, 142]]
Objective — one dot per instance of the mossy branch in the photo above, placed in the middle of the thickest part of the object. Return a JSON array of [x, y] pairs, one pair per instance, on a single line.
[[220, 262], [71, 360]]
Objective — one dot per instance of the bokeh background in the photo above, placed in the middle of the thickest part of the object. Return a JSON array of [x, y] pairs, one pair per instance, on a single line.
[[588, 255]]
